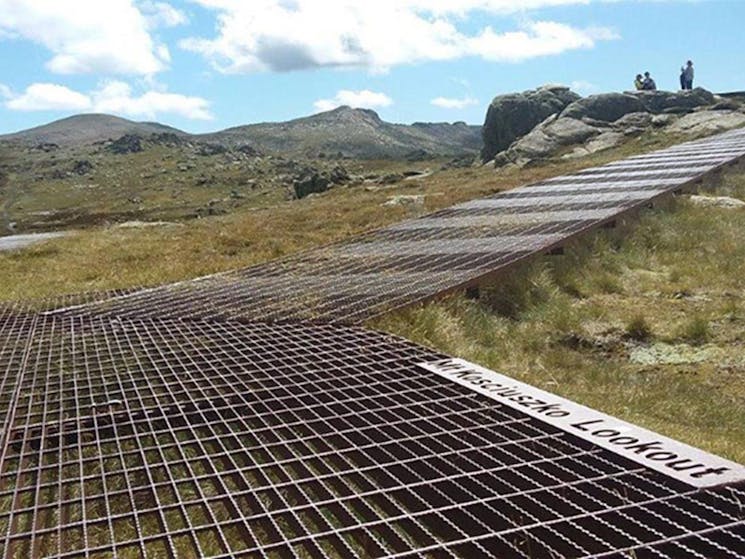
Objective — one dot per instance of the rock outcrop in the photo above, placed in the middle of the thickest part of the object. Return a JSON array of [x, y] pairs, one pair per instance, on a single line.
[[604, 121], [313, 181], [511, 116], [606, 107], [129, 143], [703, 122]]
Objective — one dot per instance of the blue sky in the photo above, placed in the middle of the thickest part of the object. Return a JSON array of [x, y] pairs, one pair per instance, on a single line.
[[204, 65]]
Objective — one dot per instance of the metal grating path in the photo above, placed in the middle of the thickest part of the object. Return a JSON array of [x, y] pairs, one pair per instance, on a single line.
[[416, 260], [155, 438]]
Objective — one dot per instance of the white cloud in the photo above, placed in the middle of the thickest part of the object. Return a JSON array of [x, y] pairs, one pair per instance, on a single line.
[[284, 35], [111, 97], [161, 14], [5, 91], [540, 38], [88, 36], [450, 103], [116, 97], [49, 97], [364, 99], [584, 87]]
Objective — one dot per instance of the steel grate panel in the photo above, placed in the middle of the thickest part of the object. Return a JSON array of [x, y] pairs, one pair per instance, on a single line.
[[351, 281], [186, 438]]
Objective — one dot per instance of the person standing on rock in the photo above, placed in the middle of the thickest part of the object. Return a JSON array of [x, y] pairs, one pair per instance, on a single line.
[[649, 84], [686, 76]]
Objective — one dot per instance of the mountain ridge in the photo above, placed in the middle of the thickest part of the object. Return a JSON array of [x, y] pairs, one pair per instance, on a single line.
[[344, 130]]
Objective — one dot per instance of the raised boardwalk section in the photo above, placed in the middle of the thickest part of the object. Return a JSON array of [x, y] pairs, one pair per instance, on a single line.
[[453, 248]]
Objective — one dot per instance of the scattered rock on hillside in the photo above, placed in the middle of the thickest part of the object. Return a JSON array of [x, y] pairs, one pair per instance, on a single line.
[[166, 139], [708, 122], [312, 181], [205, 150], [246, 149], [82, 167], [717, 202], [46, 147], [511, 116], [461, 162], [129, 143], [408, 200]]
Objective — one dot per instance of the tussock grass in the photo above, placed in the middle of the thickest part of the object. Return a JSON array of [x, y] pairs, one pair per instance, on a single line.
[[569, 323]]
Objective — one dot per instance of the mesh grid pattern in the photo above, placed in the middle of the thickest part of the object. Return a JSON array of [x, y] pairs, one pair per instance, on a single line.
[[182, 439]]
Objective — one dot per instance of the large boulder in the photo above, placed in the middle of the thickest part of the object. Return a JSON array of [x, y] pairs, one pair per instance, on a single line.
[[129, 143], [606, 107], [510, 117], [657, 102], [546, 139], [703, 122]]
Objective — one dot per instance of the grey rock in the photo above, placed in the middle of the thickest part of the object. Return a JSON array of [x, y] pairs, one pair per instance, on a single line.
[[567, 131], [717, 202], [409, 200], [605, 141], [723, 104], [634, 120], [606, 107], [663, 120], [511, 116], [206, 150], [703, 122], [545, 139], [390, 178], [129, 143], [462, 162], [82, 167], [674, 102]]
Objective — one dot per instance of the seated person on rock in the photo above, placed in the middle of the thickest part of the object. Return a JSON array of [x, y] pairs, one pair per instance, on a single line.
[[639, 82], [648, 84]]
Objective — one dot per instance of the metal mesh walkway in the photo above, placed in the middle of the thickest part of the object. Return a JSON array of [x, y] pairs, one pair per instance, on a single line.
[[128, 431], [153, 438], [412, 261]]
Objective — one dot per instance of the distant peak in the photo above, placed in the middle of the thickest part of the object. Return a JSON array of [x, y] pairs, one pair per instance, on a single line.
[[345, 111]]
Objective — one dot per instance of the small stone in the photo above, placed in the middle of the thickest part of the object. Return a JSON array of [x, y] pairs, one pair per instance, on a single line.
[[717, 202]]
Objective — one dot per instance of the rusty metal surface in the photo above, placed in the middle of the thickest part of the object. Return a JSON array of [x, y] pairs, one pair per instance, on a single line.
[[416, 260], [149, 438]]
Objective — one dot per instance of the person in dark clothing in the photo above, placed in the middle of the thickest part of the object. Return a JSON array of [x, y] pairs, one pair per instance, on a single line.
[[686, 76], [648, 84]]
